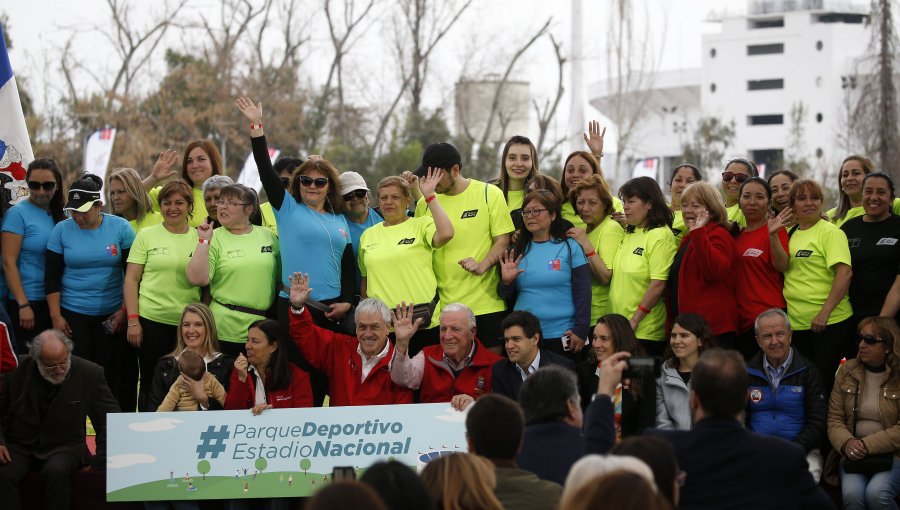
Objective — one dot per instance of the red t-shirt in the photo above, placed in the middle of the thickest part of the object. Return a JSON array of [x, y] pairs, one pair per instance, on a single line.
[[759, 285]]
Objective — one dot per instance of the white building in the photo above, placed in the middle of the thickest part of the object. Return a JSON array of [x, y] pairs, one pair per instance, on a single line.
[[755, 71]]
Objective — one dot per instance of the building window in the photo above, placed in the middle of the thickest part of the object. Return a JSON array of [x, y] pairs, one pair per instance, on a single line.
[[819, 153], [712, 52], [765, 49], [819, 117], [712, 88], [765, 84], [765, 120], [766, 23], [819, 45]]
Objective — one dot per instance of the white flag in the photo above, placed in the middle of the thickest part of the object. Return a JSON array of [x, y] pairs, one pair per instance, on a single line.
[[250, 173], [98, 150]]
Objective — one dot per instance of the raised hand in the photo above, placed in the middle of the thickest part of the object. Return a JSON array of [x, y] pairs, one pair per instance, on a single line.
[[699, 221], [509, 266], [300, 289], [205, 230], [165, 165], [594, 137], [781, 220], [404, 327], [252, 112], [427, 185], [413, 181]]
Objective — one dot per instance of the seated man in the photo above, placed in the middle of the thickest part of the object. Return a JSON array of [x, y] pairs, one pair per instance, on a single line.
[[456, 371], [357, 367], [553, 419], [786, 395], [521, 337], [43, 405], [494, 427]]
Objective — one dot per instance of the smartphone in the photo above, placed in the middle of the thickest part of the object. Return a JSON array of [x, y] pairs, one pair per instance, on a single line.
[[565, 342], [339, 473]]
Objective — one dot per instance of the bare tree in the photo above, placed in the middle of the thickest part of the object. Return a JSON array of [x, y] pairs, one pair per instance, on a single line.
[[547, 112]]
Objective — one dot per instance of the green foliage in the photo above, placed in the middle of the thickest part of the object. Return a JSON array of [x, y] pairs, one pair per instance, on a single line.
[[305, 464], [710, 140], [261, 464], [795, 152], [203, 467]]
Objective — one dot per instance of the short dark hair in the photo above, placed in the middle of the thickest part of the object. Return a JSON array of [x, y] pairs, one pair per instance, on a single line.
[[720, 382], [544, 394], [881, 175], [526, 320], [494, 426], [647, 190], [398, 485]]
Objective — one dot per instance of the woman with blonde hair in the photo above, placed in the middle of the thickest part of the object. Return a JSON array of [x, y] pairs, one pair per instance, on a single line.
[[621, 489], [126, 195], [196, 332], [701, 279], [461, 481]]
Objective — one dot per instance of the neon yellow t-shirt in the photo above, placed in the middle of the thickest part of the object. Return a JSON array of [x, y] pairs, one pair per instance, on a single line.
[[515, 199], [149, 219], [478, 214], [268, 217], [164, 288], [644, 255], [810, 274], [243, 271], [384, 250], [606, 238], [736, 215], [855, 212], [568, 212], [678, 226], [200, 213]]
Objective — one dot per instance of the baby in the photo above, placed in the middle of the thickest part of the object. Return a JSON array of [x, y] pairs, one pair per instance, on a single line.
[[191, 366]]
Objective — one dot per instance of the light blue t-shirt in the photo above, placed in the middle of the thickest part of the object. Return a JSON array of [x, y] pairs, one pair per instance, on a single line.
[[545, 288], [34, 225], [356, 232], [311, 243], [92, 276]]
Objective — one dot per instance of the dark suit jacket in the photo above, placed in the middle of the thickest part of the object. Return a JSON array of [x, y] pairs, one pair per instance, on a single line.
[[729, 467], [83, 393], [507, 380]]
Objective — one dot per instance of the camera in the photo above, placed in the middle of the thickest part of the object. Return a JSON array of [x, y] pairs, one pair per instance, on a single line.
[[643, 367]]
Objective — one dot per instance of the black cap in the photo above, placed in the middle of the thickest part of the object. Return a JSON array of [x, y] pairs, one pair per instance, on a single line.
[[438, 155]]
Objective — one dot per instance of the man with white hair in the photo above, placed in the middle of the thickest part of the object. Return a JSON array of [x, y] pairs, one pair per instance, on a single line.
[[357, 367], [458, 370], [43, 405]]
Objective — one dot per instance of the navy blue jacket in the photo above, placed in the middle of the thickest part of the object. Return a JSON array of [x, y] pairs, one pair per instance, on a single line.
[[507, 381], [797, 411]]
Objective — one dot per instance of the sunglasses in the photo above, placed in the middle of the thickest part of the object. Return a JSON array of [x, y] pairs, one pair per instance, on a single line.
[[47, 185], [727, 176], [357, 193], [285, 181], [870, 339], [308, 182]]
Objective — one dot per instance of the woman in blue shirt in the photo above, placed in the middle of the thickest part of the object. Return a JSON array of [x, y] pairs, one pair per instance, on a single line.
[[26, 228], [549, 275], [86, 257]]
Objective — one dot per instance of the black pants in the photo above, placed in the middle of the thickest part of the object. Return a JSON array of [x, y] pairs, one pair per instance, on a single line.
[[42, 322], [727, 340], [653, 347], [111, 351], [826, 349], [490, 330], [233, 349], [746, 344], [56, 475], [159, 340], [422, 339]]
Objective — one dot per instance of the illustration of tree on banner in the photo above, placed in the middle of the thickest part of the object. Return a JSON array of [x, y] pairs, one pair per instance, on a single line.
[[261, 464], [203, 467], [305, 464]]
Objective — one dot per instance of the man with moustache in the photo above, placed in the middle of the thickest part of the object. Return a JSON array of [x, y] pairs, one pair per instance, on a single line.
[[43, 406]]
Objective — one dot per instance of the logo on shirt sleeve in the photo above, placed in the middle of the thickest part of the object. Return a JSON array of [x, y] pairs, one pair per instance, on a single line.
[[886, 241], [803, 254], [638, 251], [266, 249], [469, 214], [408, 240], [112, 250], [753, 252]]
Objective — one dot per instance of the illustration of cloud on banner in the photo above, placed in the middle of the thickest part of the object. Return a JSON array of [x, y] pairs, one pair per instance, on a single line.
[[453, 416], [155, 425], [129, 459]]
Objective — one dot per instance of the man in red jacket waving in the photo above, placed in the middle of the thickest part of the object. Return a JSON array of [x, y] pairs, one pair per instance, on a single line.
[[457, 371]]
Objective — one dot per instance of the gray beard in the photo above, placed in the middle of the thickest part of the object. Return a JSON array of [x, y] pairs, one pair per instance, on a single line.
[[50, 378]]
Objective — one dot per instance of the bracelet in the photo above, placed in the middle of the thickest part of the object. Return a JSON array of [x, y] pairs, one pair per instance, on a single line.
[[598, 156], [133, 316], [130, 324], [590, 253], [644, 309], [26, 305], [203, 241], [430, 199], [255, 126]]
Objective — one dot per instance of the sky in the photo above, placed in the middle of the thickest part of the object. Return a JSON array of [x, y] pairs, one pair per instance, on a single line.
[[488, 33]]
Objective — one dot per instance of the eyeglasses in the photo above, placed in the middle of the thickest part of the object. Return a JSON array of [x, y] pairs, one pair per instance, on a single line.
[[727, 176], [532, 212], [285, 181], [47, 185], [358, 193], [56, 366], [870, 339], [308, 182], [229, 203]]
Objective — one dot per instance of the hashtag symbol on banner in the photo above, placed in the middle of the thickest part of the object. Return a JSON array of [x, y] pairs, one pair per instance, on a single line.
[[213, 442]]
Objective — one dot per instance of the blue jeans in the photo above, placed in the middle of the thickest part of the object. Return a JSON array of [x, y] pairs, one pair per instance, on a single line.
[[875, 492]]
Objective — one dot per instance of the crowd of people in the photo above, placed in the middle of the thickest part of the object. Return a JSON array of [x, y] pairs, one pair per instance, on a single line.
[[512, 300]]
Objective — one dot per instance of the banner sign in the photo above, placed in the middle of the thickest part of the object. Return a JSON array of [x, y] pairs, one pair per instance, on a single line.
[[98, 150], [280, 453]]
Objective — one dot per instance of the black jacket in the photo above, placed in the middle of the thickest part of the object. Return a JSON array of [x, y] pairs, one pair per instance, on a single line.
[[507, 381], [167, 372], [638, 414]]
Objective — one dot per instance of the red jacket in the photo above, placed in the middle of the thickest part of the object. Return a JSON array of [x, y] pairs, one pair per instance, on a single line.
[[336, 355], [241, 395], [8, 360], [438, 383], [706, 278]]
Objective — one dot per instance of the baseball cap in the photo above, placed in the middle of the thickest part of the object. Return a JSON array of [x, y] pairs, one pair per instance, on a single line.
[[352, 181], [438, 155], [81, 200]]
